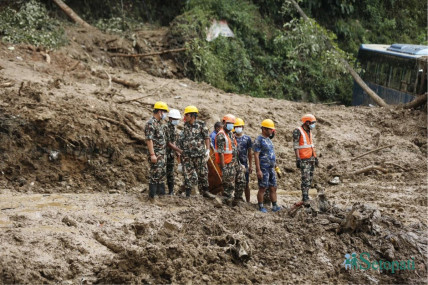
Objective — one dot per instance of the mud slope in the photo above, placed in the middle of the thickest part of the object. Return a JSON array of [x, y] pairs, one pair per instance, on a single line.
[[74, 183]]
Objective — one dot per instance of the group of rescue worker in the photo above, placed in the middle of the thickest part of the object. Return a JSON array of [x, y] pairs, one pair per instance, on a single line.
[[233, 154]]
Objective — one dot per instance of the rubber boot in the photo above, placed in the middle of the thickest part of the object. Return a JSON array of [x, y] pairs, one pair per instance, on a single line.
[[206, 193], [161, 189], [171, 188], [188, 191], [152, 190], [305, 199]]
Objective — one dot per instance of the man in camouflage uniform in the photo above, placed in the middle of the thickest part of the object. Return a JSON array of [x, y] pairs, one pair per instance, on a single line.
[[156, 145], [265, 161], [226, 150], [245, 153], [304, 149], [194, 140], [174, 116]]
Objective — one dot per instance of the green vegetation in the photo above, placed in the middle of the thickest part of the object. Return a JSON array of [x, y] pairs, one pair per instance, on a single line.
[[290, 62], [371, 21], [273, 53], [31, 24]]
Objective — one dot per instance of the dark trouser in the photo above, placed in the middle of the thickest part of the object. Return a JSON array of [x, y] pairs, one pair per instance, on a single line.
[[307, 168]]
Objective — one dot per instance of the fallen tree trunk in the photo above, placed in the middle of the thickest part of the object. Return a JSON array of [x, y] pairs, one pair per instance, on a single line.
[[70, 13], [148, 54], [355, 75], [419, 101], [123, 82]]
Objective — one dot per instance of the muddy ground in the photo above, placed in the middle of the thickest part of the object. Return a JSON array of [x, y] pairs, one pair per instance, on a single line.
[[74, 205]]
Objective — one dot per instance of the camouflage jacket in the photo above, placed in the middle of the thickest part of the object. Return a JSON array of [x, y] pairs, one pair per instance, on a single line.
[[192, 139], [154, 130], [171, 137]]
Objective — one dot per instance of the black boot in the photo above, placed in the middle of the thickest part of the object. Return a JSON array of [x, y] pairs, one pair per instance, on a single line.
[[171, 188], [161, 189], [206, 193], [188, 191], [152, 190], [305, 199]]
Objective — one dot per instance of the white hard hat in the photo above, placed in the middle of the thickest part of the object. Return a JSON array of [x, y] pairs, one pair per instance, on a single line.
[[175, 114]]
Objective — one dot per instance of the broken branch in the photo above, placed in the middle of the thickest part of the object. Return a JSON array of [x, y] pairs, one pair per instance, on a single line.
[[369, 168], [126, 128], [147, 54], [123, 82], [145, 96], [355, 158], [397, 165]]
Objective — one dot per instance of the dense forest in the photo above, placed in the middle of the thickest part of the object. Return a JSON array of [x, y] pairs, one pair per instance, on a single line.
[[273, 53]]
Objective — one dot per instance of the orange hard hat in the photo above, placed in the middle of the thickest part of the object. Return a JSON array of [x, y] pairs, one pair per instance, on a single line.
[[308, 117], [229, 118]]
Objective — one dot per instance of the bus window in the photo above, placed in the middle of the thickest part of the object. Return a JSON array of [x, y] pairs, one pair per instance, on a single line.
[[382, 74], [408, 82], [396, 78], [370, 71]]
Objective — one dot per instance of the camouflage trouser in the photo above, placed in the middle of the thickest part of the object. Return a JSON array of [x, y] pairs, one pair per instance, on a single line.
[[157, 170], [233, 178], [307, 169], [170, 169], [195, 172]]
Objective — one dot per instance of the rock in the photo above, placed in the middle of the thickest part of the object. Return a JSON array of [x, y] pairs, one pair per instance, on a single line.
[[69, 221], [172, 226], [53, 155], [335, 181], [120, 184]]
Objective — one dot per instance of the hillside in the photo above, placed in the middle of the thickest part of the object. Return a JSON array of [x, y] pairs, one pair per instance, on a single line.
[[74, 205]]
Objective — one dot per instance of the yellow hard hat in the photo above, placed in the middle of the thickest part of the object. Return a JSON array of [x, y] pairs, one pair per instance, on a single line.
[[190, 109], [308, 117], [229, 118], [239, 122], [159, 105], [268, 123]]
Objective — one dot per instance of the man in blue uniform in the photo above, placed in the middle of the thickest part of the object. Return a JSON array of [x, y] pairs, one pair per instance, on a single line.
[[217, 128], [265, 160]]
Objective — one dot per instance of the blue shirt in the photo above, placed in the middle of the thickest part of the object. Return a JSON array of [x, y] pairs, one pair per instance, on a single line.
[[267, 153], [212, 136], [244, 143]]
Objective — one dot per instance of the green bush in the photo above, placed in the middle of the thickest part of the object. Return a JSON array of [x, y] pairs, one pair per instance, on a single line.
[[261, 60], [32, 25]]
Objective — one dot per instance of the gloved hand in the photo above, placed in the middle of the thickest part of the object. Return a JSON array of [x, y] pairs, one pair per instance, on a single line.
[[316, 162], [278, 171], [180, 168], [298, 163], [207, 155]]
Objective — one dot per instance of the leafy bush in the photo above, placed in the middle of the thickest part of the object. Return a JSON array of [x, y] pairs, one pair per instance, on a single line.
[[261, 60], [371, 21], [31, 24]]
